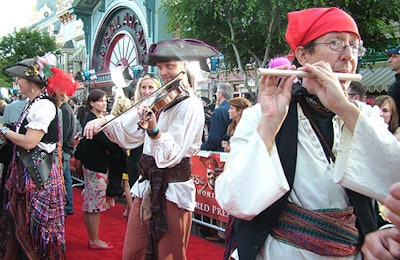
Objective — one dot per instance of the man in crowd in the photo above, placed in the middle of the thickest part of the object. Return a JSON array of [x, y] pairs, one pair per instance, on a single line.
[[293, 179], [219, 119], [68, 136], [356, 91], [13, 111], [159, 228], [394, 63]]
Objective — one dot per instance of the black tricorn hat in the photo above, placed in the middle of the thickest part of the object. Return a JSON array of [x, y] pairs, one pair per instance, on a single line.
[[179, 49], [28, 69]]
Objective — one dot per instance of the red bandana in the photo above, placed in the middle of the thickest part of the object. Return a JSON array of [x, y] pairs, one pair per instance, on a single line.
[[309, 24]]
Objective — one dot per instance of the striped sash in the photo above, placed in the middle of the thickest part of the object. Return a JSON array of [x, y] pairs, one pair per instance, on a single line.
[[329, 232]]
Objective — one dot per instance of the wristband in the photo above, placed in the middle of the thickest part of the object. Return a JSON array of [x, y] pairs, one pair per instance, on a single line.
[[153, 132]]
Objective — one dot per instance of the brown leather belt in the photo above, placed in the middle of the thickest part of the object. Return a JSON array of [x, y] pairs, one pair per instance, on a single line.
[[170, 175], [176, 175]]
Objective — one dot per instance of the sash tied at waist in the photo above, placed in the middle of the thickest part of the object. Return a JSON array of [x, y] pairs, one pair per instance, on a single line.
[[330, 232]]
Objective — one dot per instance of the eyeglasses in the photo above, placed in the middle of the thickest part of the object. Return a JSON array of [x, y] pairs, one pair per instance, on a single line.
[[340, 46]]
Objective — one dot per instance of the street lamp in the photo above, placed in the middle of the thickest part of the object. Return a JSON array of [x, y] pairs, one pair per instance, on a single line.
[[137, 71], [86, 76]]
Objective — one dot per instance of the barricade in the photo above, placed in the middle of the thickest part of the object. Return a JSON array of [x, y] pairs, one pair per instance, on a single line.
[[207, 166]]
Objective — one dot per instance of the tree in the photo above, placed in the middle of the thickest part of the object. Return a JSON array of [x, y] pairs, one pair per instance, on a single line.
[[253, 30], [22, 44], [244, 31]]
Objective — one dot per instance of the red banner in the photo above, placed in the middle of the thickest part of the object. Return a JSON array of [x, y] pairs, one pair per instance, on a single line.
[[205, 171]]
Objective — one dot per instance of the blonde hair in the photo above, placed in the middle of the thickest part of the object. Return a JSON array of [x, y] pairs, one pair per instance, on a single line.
[[138, 94], [121, 103]]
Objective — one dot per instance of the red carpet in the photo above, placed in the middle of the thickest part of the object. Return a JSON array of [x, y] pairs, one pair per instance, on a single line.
[[112, 229]]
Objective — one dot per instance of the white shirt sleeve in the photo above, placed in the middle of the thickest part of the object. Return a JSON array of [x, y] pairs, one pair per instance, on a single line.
[[181, 130], [123, 130], [40, 115], [253, 179], [367, 160]]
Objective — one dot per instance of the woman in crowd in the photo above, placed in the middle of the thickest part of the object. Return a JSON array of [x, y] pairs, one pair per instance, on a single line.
[[238, 104], [119, 162], [390, 116], [117, 166], [94, 155], [81, 114], [32, 222], [389, 113], [146, 85]]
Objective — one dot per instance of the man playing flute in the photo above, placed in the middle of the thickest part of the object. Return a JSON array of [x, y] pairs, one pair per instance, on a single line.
[[306, 161]]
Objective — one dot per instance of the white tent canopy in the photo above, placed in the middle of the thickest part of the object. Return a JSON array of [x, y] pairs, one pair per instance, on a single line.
[[379, 78]]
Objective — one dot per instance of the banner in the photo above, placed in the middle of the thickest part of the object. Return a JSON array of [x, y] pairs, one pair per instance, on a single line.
[[207, 166]]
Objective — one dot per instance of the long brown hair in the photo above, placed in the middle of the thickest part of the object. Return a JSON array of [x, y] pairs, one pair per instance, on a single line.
[[240, 103], [394, 120]]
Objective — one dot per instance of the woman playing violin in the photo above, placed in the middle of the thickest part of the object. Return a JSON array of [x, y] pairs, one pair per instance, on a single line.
[[169, 142]]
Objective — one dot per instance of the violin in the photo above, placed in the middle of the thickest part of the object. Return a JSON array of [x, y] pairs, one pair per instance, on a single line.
[[164, 101], [168, 86]]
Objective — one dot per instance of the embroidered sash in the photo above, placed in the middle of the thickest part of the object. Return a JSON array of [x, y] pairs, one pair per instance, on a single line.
[[329, 232]]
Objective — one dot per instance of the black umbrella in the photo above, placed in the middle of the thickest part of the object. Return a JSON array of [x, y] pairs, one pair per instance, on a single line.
[[179, 49]]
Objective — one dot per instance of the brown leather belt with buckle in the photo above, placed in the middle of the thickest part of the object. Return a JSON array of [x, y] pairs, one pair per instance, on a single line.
[[170, 175]]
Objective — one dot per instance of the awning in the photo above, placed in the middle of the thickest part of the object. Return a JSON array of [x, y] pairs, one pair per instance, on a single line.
[[379, 78], [79, 56]]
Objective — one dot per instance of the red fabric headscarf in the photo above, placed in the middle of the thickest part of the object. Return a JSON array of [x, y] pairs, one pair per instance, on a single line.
[[309, 24]]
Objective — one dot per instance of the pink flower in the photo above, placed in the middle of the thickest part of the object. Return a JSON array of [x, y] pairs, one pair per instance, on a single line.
[[47, 59]]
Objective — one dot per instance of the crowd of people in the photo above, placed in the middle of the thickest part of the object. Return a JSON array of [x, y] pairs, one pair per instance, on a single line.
[[292, 184]]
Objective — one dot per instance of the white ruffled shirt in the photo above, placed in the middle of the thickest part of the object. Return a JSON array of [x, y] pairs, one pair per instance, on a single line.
[[39, 117], [364, 163], [181, 127]]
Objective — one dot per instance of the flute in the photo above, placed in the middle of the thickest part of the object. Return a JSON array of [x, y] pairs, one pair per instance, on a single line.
[[303, 74]]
